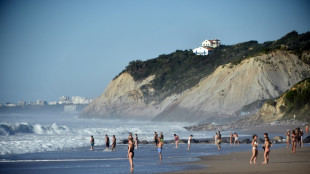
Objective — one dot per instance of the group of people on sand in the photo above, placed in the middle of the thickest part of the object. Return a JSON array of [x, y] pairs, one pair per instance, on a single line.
[[295, 138], [107, 143], [266, 147], [235, 137]]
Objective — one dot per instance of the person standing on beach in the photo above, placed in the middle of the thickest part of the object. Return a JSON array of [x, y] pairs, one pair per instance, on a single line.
[[136, 141], [215, 138], [107, 142], [113, 143], [219, 139], [130, 136], [293, 141], [92, 143], [297, 137], [301, 138], [130, 153], [236, 138], [176, 140], [267, 150], [254, 149], [160, 148], [189, 142], [155, 139], [288, 134], [231, 137]]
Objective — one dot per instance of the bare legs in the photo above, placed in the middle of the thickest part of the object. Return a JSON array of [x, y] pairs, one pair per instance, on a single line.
[[254, 156], [130, 161]]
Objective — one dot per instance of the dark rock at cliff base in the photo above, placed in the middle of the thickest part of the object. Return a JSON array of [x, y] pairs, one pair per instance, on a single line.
[[307, 139]]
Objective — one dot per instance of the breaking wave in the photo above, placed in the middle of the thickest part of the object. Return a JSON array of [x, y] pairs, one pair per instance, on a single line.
[[12, 129]]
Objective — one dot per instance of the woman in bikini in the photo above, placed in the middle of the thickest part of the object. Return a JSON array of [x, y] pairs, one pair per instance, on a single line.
[[176, 139], [254, 149], [130, 153], [113, 143], [267, 150], [288, 134]]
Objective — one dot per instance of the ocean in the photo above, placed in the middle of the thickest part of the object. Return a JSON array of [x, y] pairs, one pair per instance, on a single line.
[[34, 143]]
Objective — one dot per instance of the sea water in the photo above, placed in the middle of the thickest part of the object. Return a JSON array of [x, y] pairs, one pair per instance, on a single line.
[[60, 144]]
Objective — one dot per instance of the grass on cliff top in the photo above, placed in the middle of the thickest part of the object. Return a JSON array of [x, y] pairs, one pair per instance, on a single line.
[[182, 70]]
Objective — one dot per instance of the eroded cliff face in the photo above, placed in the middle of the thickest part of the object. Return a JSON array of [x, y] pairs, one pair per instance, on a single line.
[[226, 90], [231, 87]]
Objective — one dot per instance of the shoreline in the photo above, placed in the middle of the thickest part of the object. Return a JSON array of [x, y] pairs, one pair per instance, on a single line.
[[281, 161]]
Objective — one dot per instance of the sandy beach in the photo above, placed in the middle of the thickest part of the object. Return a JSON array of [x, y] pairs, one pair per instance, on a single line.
[[281, 161]]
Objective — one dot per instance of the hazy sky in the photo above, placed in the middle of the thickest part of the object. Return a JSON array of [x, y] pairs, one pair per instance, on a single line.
[[51, 48]]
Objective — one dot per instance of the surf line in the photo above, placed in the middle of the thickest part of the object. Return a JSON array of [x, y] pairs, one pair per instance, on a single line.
[[60, 160]]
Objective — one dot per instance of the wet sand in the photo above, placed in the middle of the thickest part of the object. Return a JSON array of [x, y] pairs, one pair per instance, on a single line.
[[281, 161]]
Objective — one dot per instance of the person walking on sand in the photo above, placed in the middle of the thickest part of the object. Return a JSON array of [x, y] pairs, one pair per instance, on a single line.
[[107, 142], [231, 137], [160, 148], [189, 142], [136, 141], [267, 150], [130, 153], [92, 142], [176, 140], [113, 143], [288, 134], [236, 137], [254, 149], [219, 140], [155, 138], [293, 141]]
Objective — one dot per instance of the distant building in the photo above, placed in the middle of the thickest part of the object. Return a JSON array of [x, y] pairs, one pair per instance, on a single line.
[[206, 47], [21, 103], [53, 103], [203, 51], [10, 104], [211, 43], [64, 100], [80, 100], [32, 103], [41, 102]]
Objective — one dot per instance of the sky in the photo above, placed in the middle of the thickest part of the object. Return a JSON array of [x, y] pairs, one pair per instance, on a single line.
[[56, 48]]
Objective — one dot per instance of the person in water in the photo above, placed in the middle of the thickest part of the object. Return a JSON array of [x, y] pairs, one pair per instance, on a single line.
[[219, 140], [254, 149], [267, 150], [130, 153], [176, 140], [92, 142], [107, 142], [160, 148], [189, 141], [113, 143], [155, 138], [136, 141]]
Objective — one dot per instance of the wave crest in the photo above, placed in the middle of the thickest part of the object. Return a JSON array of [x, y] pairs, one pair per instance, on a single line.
[[12, 129]]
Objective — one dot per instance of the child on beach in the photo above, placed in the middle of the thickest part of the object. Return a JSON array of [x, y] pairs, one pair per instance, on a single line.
[[189, 142], [130, 153], [113, 143], [92, 142], [176, 140], [254, 149], [160, 148]]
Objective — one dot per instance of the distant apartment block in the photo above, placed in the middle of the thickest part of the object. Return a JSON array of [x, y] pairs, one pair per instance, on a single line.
[[21, 103], [64, 100], [41, 102], [80, 100]]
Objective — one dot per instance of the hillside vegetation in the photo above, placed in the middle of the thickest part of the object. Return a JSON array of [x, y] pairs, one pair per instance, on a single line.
[[182, 70]]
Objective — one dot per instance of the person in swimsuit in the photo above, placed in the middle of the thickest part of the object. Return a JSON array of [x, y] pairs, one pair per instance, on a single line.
[[92, 142], [219, 140], [130, 153], [155, 138], [267, 150], [113, 143], [293, 141], [236, 138], [189, 142], [231, 137], [107, 142], [130, 136], [215, 138], [136, 141], [297, 137], [254, 149], [160, 148], [176, 140], [288, 134]]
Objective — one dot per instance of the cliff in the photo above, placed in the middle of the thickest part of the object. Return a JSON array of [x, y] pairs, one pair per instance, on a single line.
[[182, 86]]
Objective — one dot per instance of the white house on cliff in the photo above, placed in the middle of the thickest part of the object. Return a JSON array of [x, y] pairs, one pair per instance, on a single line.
[[206, 47]]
